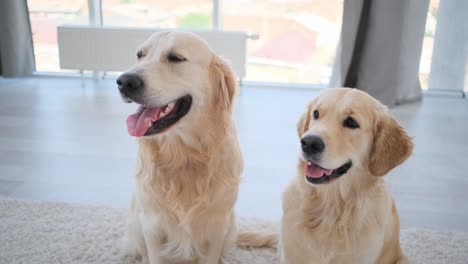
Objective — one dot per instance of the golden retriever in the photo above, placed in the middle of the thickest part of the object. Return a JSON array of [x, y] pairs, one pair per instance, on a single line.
[[189, 161], [337, 209]]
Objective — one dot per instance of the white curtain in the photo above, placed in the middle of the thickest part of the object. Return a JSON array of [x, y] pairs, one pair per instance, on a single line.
[[380, 48], [450, 52]]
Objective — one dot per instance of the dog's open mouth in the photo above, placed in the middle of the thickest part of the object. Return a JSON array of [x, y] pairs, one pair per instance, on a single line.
[[152, 120], [317, 175]]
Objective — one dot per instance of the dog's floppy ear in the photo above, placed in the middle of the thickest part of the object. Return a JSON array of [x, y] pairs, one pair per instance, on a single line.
[[391, 146], [223, 82], [304, 121]]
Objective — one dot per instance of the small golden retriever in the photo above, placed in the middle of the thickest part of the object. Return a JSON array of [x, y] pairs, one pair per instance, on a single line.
[[337, 209], [189, 161]]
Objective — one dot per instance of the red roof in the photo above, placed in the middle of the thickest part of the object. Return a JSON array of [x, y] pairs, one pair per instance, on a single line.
[[291, 46]]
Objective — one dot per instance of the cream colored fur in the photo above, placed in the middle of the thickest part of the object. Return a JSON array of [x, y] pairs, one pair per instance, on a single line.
[[187, 176]]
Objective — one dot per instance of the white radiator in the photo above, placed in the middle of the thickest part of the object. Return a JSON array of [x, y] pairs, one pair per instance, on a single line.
[[113, 48]]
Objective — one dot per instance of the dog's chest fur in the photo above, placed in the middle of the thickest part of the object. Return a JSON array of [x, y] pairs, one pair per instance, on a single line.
[[184, 192], [175, 214], [333, 230]]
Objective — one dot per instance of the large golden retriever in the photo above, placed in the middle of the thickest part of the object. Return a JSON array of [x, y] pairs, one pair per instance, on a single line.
[[189, 161], [337, 209]]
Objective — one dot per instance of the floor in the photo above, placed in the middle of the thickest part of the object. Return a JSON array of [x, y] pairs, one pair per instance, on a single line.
[[61, 141]]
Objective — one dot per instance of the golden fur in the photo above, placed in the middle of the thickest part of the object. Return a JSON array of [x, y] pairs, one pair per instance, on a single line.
[[352, 219], [187, 177]]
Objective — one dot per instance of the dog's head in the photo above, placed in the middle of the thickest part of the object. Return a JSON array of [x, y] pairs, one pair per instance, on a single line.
[[345, 130], [176, 76]]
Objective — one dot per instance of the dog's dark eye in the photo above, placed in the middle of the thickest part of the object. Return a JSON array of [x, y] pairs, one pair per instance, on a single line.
[[316, 114], [140, 54], [349, 122], [172, 57]]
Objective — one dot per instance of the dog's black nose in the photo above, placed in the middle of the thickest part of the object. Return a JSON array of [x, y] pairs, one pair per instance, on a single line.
[[129, 83], [312, 144]]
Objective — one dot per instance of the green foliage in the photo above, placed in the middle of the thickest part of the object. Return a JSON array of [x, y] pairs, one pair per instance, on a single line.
[[433, 11], [429, 33], [195, 21]]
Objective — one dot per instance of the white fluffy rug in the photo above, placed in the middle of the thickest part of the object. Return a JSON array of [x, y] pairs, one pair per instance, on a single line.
[[38, 232]]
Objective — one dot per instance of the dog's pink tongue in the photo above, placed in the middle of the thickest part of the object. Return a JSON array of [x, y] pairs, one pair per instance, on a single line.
[[139, 122], [315, 171]]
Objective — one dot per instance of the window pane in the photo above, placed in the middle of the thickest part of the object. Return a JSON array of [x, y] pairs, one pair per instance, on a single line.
[[45, 16], [298, 38], [428, 44], [193, 14]]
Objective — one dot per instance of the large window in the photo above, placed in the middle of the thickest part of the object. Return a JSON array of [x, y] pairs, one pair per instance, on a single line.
[[45, 16], [297, 38], [193, 14]]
